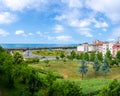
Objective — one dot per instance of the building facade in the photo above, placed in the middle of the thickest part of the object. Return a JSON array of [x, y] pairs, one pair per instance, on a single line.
[[116, 48], [99, 46]]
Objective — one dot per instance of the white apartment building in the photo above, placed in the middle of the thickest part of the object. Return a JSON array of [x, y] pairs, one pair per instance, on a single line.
[[85, 47], [101, 47], [107, 46]]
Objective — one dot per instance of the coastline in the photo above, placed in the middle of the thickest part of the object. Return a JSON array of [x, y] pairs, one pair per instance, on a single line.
[[37, 46]]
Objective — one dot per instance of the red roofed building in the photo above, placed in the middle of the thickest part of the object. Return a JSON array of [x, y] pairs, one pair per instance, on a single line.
[[116, 48]]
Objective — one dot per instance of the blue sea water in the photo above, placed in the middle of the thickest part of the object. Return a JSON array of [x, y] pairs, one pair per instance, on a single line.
[[35, 45]]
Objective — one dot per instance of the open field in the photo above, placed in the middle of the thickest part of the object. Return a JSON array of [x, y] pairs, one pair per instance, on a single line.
[[69, 70]]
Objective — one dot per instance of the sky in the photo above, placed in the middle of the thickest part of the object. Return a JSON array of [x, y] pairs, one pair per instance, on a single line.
[[59, 21]]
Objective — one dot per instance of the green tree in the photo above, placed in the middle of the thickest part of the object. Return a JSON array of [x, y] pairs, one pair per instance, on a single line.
[[18, 58], [62, 55], [83, 68], [113, 89], [81, 56], [2, 60], [114, 62], [109, 55], [1, 49], [73, 54], [69, 57], [57, 58], [118, 56], [8, 69], [105, 68], [86, 56], [34, 84], [96, 65], [78, 56], [47, 62], [92, 56], [100, 56], [65, 88]]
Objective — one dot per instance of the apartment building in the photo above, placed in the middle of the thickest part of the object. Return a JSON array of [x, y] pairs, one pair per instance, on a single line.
[[98, 46], [116, 48], [85, 47]]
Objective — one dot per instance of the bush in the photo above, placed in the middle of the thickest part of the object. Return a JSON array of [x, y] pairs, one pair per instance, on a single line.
[[32, 60], [65, 88], [114, 62], [113, 89]]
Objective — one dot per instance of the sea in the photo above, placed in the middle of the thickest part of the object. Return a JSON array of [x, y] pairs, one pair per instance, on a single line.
[[35, 45]]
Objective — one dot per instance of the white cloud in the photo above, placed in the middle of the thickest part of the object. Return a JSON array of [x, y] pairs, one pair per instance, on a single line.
[[111, 39], [69, 15], [30, 34], [115, 33], [101, 25], [19, 32], [19, 5], [6, 18], [39, 33], [99, 34], [3, 32], [73, 3], [58, 28], [86, 32], [61, 17], [42, 35], [104, 29], [108, 7], [79, 24], [63, 38]]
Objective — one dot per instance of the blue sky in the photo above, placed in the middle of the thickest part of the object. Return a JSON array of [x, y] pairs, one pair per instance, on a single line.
[[59, 21]]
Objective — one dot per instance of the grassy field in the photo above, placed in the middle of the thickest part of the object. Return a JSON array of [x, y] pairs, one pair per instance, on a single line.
[[50, 52], [69, 70]]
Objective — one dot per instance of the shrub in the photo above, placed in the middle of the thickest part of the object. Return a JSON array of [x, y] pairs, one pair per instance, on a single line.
[[32, 60], [65, 88], [113, 89]]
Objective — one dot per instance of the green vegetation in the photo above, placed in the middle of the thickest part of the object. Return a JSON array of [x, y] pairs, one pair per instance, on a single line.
[[105, 68], [60, 77], [83, 69], [113, 89], [50, 52], [65, 88], [96, 65]]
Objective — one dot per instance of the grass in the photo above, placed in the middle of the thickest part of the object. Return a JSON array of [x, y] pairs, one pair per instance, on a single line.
[[93, 85], [69, 70], [49, 52]]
